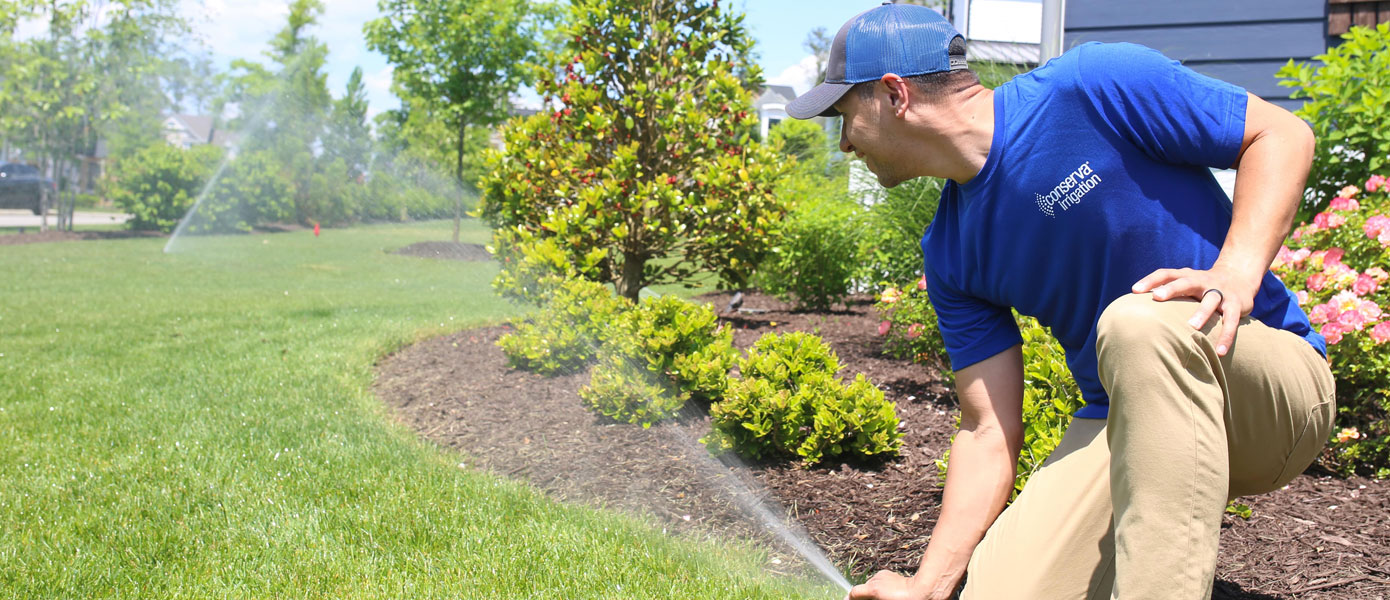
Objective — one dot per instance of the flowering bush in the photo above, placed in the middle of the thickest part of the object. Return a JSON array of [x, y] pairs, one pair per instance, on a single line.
[[1338, 272], [909, 324]]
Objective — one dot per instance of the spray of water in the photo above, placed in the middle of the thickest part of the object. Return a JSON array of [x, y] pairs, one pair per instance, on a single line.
[[202, 196]]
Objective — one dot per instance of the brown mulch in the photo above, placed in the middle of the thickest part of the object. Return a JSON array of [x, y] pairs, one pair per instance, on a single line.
[[1320, 537], [446, 251], [34, 237]]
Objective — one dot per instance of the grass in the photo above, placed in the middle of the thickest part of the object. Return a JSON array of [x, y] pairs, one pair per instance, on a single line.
[[199, 424]]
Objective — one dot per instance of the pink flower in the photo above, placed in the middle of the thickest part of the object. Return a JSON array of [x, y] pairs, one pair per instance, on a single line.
[[1317, 281], [1334, 256], [1344, 204], [1381, 332], [1348, 434], [884, 326], [1300, 255], [1376, 227], [1320, 220], [1370, 311], [922, 283], [1332, 332], [1351, 321], [1322, 313], [1339, 275], [1365, 285], [890, 295], [1345, 301], [1348, 192], [1283, 259], [914, 331], [1336, 220], [1375, 183], [1378, 274], [1302, 296]]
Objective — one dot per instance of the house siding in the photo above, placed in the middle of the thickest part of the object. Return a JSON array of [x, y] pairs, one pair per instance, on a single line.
[[1243, 42]]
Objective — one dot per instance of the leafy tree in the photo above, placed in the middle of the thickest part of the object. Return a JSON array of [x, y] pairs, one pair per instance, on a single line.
[[458, 60], [348, 137], [818, 44], [1348, 107], [644, 170]]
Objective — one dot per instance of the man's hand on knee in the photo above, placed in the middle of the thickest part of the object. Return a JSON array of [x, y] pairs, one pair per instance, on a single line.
[[1216, 291]]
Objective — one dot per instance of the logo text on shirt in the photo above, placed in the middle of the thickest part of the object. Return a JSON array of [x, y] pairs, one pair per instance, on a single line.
[[1069, 191]]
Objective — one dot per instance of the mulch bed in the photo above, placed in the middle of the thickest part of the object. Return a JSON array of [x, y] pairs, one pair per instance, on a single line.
[[446, 251], [1320, 537]]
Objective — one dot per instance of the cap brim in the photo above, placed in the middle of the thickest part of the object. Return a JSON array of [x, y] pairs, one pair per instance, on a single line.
[[819, 101]]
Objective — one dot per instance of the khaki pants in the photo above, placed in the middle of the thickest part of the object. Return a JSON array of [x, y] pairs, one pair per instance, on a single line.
[[1130, 507]]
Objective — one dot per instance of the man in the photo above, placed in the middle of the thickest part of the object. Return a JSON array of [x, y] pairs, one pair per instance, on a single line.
[[1080, 194]]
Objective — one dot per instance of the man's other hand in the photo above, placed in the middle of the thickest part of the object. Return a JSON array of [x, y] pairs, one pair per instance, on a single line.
[[1216, 291], [887, 585]]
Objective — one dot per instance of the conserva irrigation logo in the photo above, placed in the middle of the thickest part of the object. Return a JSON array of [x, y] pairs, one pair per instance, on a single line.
[[1069, 191]]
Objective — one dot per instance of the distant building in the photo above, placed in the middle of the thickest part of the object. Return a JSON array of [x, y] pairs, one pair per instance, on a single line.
[[771, 105], [187, 131]]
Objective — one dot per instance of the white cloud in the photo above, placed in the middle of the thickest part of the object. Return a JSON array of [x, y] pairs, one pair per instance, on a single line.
[[800, 76], [378, 85]]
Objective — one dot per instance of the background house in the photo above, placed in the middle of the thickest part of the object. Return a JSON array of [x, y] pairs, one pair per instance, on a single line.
[[771, 105], [186, 131]]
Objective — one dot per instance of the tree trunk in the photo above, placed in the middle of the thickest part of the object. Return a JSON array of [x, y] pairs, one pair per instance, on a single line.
[[45, 200], [630, 280], [458, 176]]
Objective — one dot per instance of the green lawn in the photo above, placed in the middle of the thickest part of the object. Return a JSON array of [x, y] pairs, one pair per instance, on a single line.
[[199, 424]]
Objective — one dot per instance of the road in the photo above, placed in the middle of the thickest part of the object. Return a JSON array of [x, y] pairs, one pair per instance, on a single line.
[[24, 218]]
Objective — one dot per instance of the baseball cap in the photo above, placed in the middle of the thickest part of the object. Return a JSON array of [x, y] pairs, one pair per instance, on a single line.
[[904, 39]]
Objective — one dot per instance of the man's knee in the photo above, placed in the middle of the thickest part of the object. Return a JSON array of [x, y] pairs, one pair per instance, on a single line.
[[1136, 326]]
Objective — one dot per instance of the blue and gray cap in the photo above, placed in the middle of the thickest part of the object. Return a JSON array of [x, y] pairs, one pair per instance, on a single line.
[[904, 39]]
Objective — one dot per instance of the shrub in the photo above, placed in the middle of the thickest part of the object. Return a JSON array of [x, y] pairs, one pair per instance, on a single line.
[[252, 191], [158, 184], [1347, 108], [533, 266], [909, 324], [815, 259], [789, 403], [890, 247], [1339, 273], [1050, 396], [565, 336], [671, 351]]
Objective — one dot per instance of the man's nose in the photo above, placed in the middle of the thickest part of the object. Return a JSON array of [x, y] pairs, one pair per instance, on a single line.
[[844, 143]]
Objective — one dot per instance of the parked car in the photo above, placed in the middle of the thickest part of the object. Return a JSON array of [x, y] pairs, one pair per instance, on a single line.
[[22, 186]]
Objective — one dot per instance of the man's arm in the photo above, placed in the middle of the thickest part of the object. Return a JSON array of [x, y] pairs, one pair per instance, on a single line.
[[1271, 169], [979, 479]]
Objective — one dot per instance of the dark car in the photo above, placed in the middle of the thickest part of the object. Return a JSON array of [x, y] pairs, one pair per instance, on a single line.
[[22, 186]]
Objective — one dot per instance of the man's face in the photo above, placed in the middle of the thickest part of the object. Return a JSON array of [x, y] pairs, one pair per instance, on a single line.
[[867, 131]]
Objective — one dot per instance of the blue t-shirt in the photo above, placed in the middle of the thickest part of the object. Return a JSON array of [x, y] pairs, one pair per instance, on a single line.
[[1097, 176]]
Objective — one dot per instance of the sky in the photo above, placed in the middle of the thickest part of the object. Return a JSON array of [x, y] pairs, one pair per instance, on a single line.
[[242, 28]]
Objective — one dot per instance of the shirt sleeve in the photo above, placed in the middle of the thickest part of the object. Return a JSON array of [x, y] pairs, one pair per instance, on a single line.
[[972, 329], [1168, 111]]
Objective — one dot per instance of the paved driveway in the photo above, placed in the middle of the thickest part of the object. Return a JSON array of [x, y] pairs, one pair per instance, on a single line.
[[24, 218]]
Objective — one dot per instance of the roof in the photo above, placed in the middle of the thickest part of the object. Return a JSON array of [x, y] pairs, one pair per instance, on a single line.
[[200, 126], [775, 94]]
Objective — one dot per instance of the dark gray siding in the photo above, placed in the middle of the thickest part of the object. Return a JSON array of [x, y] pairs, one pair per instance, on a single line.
[[1241, 41]]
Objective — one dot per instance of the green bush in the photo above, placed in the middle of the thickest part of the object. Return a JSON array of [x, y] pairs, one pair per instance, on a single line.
[[788, 403], [251, 192], [532, 267], [671, 351], [815, 258], [1050, 396], [890, 247], [1339, 273], [158, 184], [1348, 106], [566, 334]]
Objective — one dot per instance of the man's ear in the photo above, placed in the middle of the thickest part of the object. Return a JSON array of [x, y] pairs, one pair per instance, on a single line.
[[899, 93]]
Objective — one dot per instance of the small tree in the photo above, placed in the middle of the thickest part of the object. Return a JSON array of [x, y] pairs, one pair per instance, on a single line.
[[1348, 106], [643, 167], [457, 59]]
